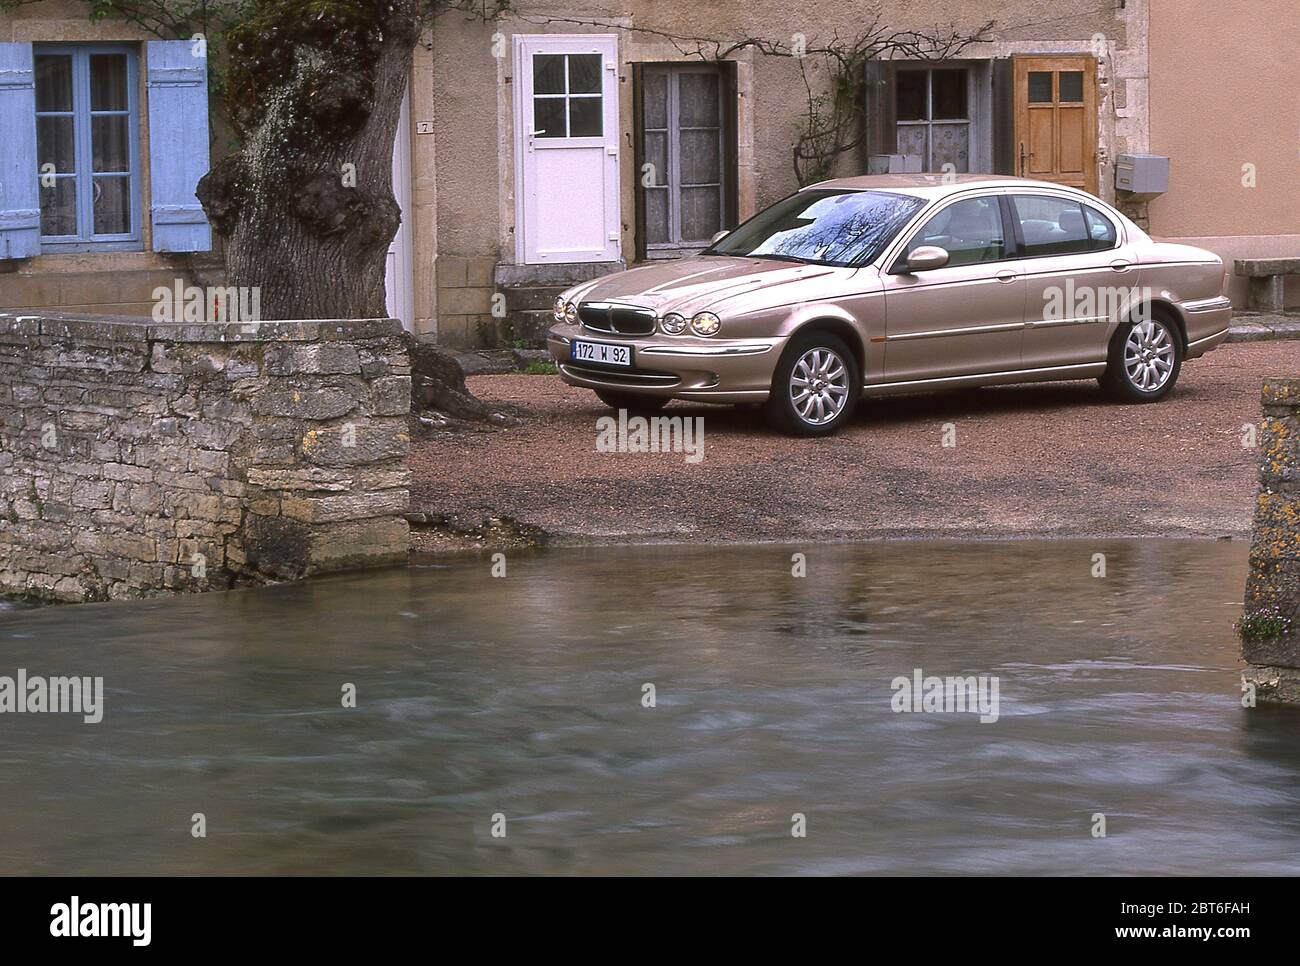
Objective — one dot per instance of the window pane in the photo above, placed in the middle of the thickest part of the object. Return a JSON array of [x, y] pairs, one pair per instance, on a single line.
[[1071, 82], [53, 82], [656, 155], [697, 99], [951, 146], [911, 96], [584, 73], [949, 93], [108, 82], [701, 213], [1100, 229], [110, 146], [112, 205], [701, 157], [912, 141], [54, 143], [1051, 226], [548, 73], [59, 207], [1040, 87], [584, 117], [656, 216], [970, 231], [654, 101], [548, 117]]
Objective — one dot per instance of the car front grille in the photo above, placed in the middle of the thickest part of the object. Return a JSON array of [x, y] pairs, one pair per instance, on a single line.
[[622, 377], [619, 319]]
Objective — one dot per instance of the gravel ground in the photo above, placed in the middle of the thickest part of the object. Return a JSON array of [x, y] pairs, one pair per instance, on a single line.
[[1045, 460]]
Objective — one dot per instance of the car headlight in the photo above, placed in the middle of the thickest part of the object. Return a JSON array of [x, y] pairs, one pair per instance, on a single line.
[[557, 311], [570, 313], [706, 324], [673, 323]]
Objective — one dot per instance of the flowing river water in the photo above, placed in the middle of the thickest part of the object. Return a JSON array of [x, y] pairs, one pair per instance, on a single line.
[[486, 702]]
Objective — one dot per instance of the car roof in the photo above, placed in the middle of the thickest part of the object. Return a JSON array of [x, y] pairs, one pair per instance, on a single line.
[[931, 185]]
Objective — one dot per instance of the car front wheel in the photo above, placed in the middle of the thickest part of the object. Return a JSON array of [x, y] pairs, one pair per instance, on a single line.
[[1145, 358], [815, 387]]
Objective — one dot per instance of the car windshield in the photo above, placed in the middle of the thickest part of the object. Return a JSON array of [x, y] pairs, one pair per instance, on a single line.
[[822, 226]]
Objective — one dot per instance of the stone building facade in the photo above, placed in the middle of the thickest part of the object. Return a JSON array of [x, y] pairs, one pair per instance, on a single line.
[[559, 140]]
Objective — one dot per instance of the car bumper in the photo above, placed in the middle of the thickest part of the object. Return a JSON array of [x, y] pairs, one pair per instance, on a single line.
[[1207, 324], [714, 370]]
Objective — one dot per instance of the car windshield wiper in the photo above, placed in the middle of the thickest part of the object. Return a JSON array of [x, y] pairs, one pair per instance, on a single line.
[[782, 258]]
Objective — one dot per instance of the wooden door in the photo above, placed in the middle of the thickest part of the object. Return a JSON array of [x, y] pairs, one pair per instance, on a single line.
[[1056, 120]]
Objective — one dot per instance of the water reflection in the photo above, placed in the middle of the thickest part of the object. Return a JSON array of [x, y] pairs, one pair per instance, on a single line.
[[522, 695]]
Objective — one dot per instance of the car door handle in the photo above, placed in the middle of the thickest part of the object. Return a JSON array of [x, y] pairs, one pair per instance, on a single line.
[[1120, 265], [1006, 276]]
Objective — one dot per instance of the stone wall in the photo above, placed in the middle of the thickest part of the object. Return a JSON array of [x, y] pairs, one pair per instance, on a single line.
[[139, 459], [1270, 626]]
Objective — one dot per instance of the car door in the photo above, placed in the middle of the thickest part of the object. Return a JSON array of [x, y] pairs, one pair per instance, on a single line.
[[1079, 272], [965, 318]]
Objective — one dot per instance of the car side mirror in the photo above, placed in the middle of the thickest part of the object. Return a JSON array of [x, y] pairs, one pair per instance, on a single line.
[[719, 236], [926, 258]]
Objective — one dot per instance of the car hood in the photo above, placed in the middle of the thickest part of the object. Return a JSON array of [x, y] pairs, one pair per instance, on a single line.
[[690, 285]]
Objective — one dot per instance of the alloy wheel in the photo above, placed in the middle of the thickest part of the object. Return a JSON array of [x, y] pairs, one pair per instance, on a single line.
[[1149, 355], [819, 386]]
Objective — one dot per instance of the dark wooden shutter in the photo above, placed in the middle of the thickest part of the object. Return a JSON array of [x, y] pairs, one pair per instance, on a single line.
[[882, 125], [638, 156], [1004, 155], [730, 162]]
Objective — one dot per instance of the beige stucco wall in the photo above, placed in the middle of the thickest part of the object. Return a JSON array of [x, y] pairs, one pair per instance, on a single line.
[[470, 107], [1225, 94]]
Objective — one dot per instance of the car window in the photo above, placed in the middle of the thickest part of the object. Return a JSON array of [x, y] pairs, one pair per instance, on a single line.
[[1100, 228], [822, 226], [970, 231], [1060, 226]]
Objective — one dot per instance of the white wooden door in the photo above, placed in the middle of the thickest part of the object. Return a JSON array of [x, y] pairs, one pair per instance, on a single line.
[[566, 146], [397, 276]]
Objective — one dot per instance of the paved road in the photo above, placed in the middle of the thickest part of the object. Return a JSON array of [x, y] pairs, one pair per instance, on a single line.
[[1054, 460]]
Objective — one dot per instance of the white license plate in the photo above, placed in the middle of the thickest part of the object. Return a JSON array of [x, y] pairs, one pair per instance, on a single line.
[[601, 352]]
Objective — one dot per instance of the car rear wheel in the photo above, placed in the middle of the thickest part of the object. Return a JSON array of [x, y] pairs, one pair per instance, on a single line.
[[633, 402], [815, 387], [1146, 356]]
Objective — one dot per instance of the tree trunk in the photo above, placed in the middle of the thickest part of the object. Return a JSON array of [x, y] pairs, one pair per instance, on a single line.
[[306, 205]]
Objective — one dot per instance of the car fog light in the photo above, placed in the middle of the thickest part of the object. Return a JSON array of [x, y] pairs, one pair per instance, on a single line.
[[706, 324], [571, 313], [673, 324]]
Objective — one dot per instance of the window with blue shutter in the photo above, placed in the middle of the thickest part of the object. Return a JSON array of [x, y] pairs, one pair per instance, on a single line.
[[87, 146], [176, 76], [20, 224]]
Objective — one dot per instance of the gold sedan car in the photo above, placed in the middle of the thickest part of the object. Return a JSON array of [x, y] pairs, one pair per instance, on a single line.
[[892, 284]]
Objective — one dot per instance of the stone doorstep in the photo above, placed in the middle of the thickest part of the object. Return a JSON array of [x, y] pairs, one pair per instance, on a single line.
[[500, 362]]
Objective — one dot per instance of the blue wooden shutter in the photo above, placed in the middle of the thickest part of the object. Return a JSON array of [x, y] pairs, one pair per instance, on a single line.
[[20, 202], [177, 81]]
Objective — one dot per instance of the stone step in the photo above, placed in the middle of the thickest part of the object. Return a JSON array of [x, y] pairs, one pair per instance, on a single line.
[[531, 298], [521, 330]]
